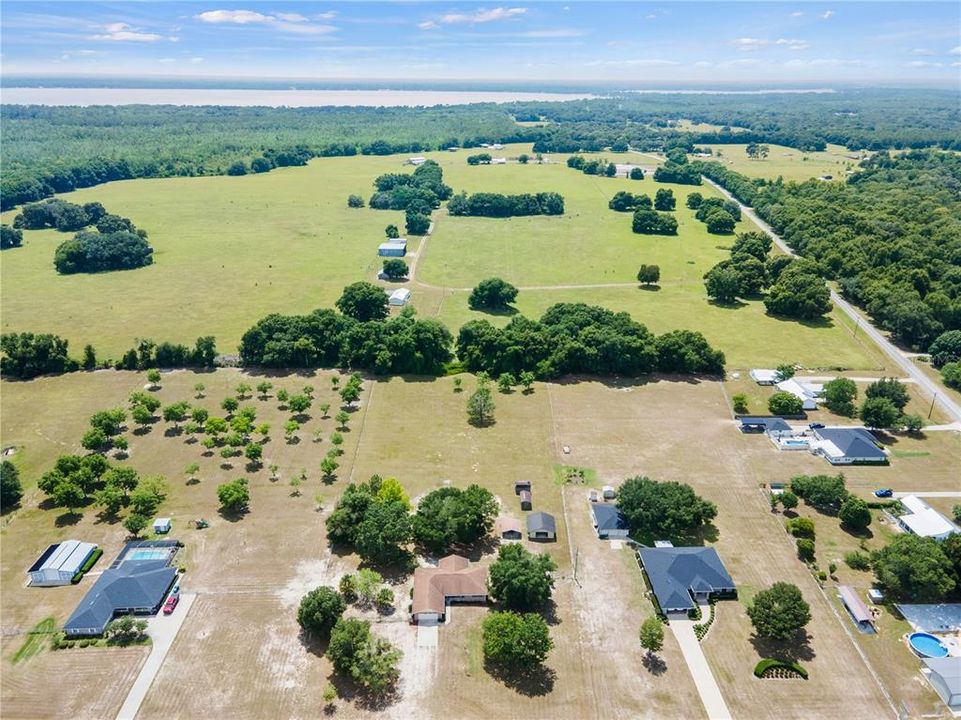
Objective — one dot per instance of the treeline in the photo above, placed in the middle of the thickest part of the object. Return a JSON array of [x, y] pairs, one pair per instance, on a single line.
[[592, 167], [417, 194], [577, 338], [496, 205], [29, 355]]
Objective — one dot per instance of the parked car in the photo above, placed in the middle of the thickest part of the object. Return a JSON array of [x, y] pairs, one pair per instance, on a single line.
[[176, 590], [816, 426], [171, 604], [883, 492]]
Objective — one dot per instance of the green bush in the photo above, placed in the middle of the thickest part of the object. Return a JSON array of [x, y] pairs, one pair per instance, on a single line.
[[768, 664], [700, 630], [805, 549], [857, 560], [91, 561], [800, 527]]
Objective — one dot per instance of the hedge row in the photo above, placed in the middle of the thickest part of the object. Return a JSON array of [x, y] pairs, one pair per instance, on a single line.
[[769, 664]]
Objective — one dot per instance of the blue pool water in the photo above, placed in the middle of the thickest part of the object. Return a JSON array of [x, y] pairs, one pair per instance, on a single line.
[[795, 442], [927, 645], [148, 555]]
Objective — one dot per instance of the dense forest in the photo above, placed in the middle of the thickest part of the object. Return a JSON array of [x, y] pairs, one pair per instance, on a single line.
[[57, 149], [890, 235]]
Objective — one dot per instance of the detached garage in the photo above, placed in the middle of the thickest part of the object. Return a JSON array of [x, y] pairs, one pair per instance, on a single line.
[[59, 563]]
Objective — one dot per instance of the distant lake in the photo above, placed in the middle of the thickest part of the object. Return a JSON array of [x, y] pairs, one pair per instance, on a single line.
[[266, 97]]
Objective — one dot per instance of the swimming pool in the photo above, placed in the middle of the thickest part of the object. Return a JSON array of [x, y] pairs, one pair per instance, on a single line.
[[149, 554], [927, 645]]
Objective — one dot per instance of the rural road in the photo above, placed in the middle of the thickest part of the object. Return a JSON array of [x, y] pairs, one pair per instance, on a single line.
[[941, 398], [162, 630], [707, 688]]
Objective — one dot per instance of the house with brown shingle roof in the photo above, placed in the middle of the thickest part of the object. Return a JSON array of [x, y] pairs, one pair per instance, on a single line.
[[454, 579]]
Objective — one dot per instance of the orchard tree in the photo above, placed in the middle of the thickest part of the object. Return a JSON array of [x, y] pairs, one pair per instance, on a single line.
[[229, 405], [264, 388], [779, 612], [135, 524], [363, 301], [527, 380], [480, 405], [234, 496], [153, 377]]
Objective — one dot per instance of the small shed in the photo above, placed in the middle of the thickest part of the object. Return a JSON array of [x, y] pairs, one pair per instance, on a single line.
[[417, 160], [161, 526], [856, 607], [609, 492], [400, 297], [509, 528], [526, 501], [765, 376], [392, 248], [522, 485], [541, 526], [498, 161]]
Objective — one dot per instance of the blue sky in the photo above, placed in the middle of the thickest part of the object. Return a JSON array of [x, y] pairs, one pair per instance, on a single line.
[[636, 42]]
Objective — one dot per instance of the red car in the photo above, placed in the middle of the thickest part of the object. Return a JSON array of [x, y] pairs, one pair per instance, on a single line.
[[171, 604]]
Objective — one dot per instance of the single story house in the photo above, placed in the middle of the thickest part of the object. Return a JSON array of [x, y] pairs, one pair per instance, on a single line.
[[847, 445], [392, 248], [923, 520], [522, 485], [609, 521], [944, 674], [509, 528], [418, 160], [136, 583], [769, 425], [59, 563], [541, 526], [400, 297], [807, 393], [162, 525], [764, 376], [855, 606], [496, 146], [453, 580], [681, 576], [526, 500]]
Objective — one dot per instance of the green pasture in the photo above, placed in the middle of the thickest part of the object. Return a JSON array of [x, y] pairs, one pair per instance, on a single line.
[[788, 163]]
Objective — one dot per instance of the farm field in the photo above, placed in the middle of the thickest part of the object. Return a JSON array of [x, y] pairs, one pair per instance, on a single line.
[[788, 163], [251, 572], [230, 250]]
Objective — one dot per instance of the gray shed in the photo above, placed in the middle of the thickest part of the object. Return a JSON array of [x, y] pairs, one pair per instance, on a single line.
[[526, 502], [541, 526]]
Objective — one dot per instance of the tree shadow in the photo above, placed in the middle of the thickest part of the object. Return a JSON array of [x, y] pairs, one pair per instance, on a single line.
[[508, 311], [649, 287], [10, 508], [860, 533], [293, 440], [173, 432], [313, 644], [654, 664], [232, 514], [489, 422], [71, 517], [732, 305], [192, 481], [549, 613], [253, 466], [142, 430], [108, 518], [351, 691], [820, 323], [796, 649], [536, 681]]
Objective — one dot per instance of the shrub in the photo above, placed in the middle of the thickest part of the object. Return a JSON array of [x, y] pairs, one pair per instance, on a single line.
[[740, 402], [784, 403], [801, 527], [805, 549]]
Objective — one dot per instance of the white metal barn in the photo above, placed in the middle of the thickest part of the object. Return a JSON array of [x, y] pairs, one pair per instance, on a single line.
[[59, 563], [400, 296]]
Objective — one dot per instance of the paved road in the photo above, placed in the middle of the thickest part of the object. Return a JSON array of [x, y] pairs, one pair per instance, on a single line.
[[707, 688], [946, 403], [947, 494], [162, 630]]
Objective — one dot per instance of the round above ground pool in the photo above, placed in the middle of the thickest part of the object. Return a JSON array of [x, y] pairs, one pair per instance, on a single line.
[[927, 645]]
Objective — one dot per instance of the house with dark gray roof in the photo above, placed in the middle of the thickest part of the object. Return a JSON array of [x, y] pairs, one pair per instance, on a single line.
[[130, 586], [763, 425], [847, 445], [684, 576], [541, 526], [609, 521]]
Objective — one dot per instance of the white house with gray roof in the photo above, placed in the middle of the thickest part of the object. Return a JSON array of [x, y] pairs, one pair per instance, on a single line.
[[847, 445]]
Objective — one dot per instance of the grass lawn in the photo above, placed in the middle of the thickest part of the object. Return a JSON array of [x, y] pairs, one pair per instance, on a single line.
[[788, 163], [229, 250]]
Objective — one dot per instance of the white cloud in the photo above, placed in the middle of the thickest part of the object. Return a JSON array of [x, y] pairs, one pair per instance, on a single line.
[[797, 14], [652, 16], [749, 44], [922, 51], [427, 25], [483, 15], [827, 15], [955, 50], [237, 17], [285, 22], [125, 33], [923, 64], [956, 64], [329, 15]]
